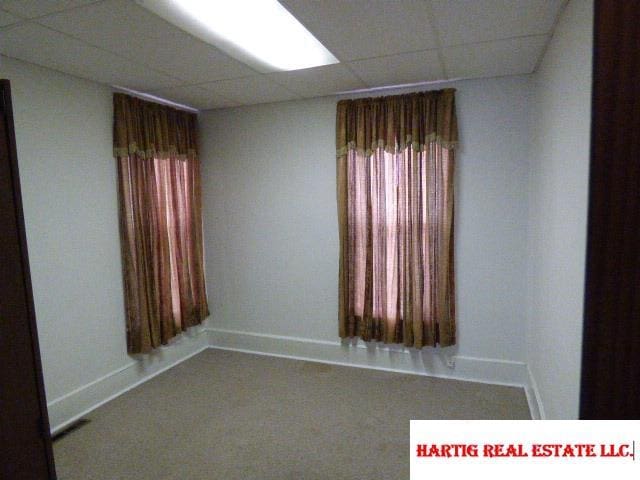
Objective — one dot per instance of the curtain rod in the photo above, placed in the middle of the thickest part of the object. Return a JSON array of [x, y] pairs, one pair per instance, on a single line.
[[153, 98], [405, 86]]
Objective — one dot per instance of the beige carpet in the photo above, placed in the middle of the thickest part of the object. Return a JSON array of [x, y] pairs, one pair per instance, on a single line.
[[228, 415]]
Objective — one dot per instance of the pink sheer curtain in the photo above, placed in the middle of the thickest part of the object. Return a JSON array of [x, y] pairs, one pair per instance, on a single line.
[[397, 268], [161, 222]]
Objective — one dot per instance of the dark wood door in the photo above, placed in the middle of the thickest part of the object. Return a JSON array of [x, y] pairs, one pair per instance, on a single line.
[[25, 441], [611, 343]]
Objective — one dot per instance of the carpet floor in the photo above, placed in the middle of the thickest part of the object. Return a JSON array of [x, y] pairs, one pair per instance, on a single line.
[[229, 415]]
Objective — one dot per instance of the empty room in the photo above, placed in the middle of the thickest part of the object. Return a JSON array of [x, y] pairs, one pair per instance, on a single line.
[[254, 239]]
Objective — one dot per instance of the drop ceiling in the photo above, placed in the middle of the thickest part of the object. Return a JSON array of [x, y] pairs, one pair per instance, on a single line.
[[378, 42]]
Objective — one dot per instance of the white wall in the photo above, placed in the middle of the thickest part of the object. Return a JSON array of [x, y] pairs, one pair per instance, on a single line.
[[271, 228], [69, 192], [558, 211]]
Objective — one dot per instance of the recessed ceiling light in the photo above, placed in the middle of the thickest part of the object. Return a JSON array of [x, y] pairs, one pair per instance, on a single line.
[[261, 33]]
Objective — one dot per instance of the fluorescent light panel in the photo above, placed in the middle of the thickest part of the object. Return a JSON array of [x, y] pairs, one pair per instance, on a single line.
[[261, 33]]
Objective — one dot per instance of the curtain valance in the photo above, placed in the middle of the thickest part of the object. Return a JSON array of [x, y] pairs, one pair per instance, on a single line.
[[149, 130], [395, 122]]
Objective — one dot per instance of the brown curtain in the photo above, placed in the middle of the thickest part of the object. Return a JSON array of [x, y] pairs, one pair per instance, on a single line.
[[395, 167], [160, 220]]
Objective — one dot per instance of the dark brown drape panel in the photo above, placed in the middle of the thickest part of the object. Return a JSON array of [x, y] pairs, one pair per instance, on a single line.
[[395, 168], [160, 220]]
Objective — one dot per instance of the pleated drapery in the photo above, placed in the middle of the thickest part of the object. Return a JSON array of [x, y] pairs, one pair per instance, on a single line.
[[395, 173], [160, 221]]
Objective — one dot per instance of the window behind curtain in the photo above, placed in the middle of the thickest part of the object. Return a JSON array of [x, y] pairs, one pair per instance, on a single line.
[[395, 203], [160, 221]]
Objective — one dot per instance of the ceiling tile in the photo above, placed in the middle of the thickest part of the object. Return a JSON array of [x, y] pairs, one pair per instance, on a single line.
[[250, 90], [124, 28], [319, 81], [196, 97], [357, 29], [7, 18], [399, 69], [382, 43], [503, 57], [36, 44], [38, 8], [470, 21]]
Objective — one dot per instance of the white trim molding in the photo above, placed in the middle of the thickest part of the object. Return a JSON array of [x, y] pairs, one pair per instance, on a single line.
[[65, 410], [533, 397], [431, 362]]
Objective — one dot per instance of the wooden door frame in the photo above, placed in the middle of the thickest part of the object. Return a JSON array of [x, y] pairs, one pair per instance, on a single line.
[[7, 109], [610, 382]]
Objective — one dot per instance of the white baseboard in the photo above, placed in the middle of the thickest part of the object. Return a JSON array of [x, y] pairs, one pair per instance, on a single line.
[[533, 397], [70, 407], [431, 362]]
